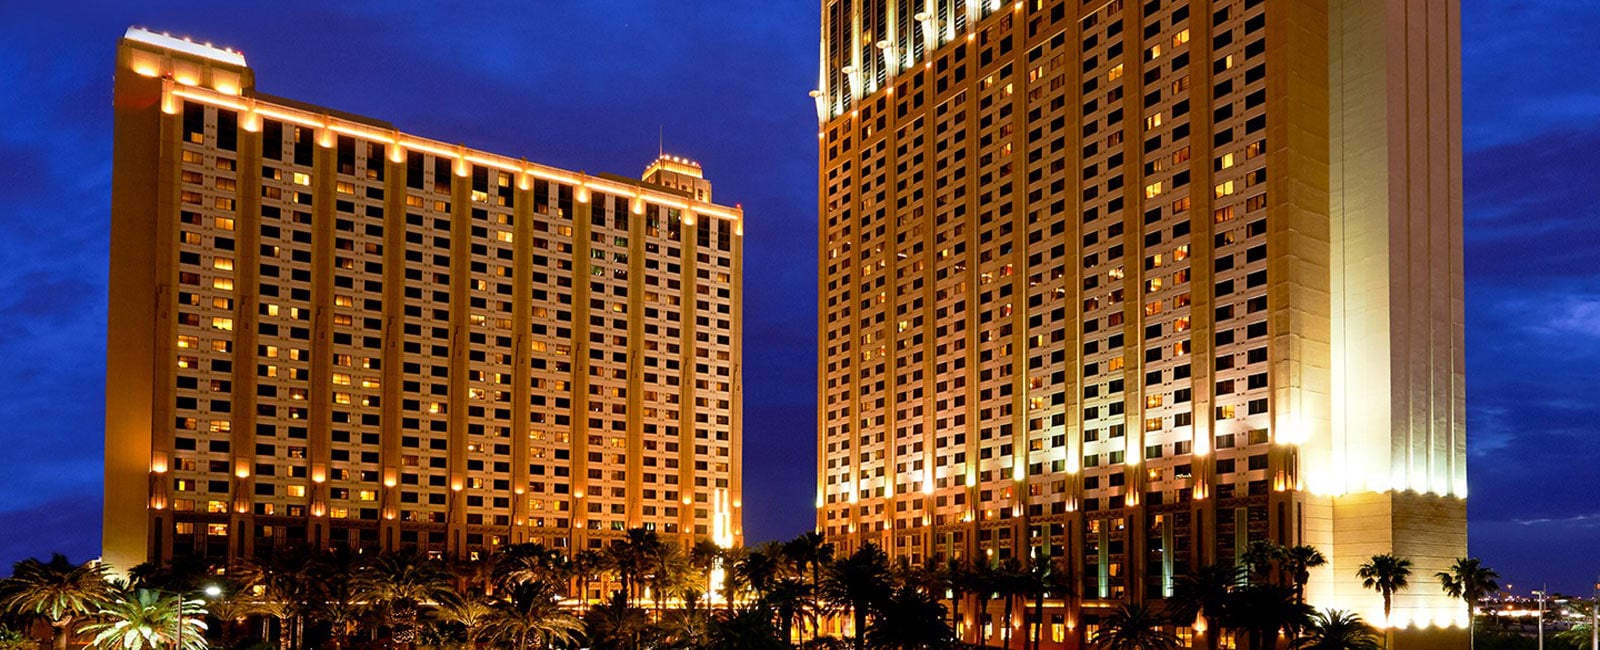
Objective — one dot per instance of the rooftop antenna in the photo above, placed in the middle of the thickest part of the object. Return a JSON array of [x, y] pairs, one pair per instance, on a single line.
[[661, 141]]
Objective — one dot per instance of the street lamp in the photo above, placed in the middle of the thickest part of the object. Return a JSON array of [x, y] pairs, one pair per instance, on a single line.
[[1542, 595], [1594, 617], [211, 591]]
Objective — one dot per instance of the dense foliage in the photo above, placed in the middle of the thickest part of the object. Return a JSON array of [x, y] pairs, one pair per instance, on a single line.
[[642, 592]]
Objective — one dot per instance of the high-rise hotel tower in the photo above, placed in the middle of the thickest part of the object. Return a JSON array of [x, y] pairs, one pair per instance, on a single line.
[[1132, 283], [328, 332]]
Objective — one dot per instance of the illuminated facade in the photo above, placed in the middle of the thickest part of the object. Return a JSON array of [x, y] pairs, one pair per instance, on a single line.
[[327, 332], [1133, 283]]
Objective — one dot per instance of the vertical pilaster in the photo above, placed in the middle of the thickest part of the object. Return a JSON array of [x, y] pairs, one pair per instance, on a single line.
[[736, 380], [137, 521], [393, 339], [246, 288], [1203, 463], [689, 497], [460, 341], [521, 353], [319, 391], [634, 212], [581, 208], [1134, 556]]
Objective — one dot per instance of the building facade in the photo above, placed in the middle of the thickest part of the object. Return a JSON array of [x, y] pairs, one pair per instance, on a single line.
[[1130, 284], [324, 331]]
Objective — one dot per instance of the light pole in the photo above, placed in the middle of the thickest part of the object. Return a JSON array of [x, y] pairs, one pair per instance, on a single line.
[[1594, 617], [1540, 594], [210, 590]]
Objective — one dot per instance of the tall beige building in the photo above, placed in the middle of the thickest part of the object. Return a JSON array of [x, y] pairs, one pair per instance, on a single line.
[[1131, 284], [328, 332]]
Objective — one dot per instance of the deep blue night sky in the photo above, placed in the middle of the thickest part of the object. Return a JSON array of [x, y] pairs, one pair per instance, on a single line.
[[586, 86]]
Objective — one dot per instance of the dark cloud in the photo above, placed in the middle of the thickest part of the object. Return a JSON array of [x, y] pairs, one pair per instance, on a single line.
[[1521, 196], [1533, 337], [1519, 73]]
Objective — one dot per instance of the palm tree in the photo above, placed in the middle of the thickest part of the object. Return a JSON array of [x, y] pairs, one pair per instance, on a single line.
[[57, 591], [1469, 581], [585, 565], [616, 624], [1258, 557], [532, 613], [749, 629], [1298, 561], [734, 581], [528, 563], [1385, 574], [185, 574], [635, 558], [336, 580], [787, 599], [670, 575], [1042, 578], [704, 557], [1010, 584], [471, 612], [811, 552], [398, 583], [231, 611], [1204, 594], [859, 583], [982, 580], [685, 628], [285, 589], [910, 620], [145, 619], [1337, 630], [760, 568], [1264, 611], [1133, 627], [956, 578]]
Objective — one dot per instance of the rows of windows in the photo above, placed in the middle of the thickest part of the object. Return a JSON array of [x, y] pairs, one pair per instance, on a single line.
[[1015, 241], [456, 345]]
